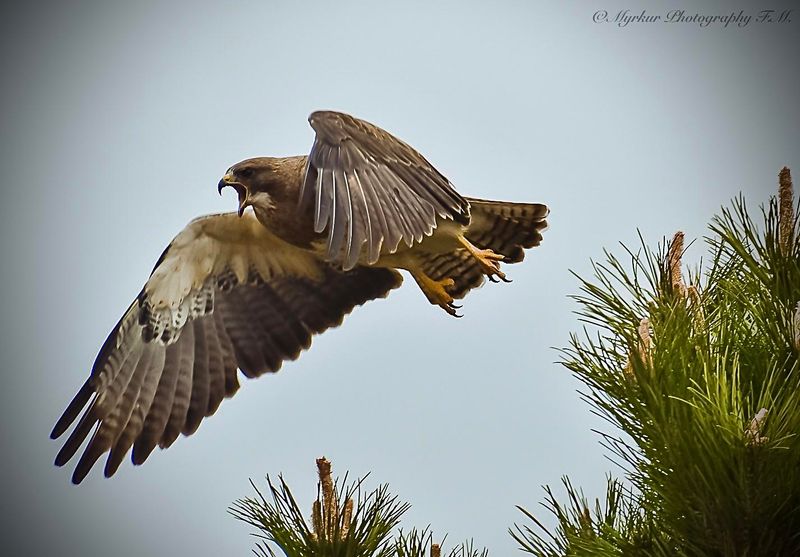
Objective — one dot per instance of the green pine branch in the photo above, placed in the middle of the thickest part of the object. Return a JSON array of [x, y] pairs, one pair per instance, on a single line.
[[419, 543], [616, 527], [344, 522]]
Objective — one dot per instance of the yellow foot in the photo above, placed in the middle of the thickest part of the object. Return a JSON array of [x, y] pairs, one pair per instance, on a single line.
[[488, 260], [436, 292]]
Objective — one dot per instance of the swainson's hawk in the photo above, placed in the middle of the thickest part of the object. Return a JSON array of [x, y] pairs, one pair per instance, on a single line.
[[247, 290]]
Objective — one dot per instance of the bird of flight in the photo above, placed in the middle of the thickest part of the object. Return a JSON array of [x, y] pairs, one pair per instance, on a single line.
[[247, 290]]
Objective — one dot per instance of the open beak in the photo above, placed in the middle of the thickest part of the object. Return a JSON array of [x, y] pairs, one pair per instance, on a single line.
[[241, 191]]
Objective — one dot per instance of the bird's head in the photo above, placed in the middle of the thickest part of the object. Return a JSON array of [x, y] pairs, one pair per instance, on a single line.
[[254, 180]]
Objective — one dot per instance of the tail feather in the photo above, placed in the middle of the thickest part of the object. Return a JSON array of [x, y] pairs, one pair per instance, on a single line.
[[506, 228]]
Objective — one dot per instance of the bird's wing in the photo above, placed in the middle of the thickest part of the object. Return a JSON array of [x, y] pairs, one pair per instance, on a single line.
[[370, 190], [226, 294]]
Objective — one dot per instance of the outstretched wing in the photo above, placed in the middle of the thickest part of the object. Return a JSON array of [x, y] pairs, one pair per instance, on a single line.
[[371, 189], [226, 294]]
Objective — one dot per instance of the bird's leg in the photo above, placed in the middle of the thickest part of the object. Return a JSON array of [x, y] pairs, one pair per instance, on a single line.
[[435, 291], [488, 260]]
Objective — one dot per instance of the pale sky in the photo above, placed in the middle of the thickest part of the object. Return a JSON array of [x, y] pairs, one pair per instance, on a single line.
[[119, 120]]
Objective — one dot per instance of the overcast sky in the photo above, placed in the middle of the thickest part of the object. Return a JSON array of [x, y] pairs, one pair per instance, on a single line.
[[118, 121]]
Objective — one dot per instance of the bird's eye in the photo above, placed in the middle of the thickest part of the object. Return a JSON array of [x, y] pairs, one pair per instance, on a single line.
[[246, 172]]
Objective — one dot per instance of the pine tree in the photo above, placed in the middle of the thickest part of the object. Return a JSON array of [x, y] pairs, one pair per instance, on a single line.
[[702, 381]]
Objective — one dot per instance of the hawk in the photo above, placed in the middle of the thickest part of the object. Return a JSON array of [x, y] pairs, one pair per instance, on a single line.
[[247, 290]]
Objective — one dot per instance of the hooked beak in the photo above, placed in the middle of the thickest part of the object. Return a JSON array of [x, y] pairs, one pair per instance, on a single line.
[[241, 191]]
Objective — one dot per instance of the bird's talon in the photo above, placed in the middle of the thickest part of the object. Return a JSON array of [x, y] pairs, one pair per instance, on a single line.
[[488, 260], [436, 292], [451, 309]]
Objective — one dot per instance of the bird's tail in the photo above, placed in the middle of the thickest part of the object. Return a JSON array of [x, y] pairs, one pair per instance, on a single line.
[[506, 228]]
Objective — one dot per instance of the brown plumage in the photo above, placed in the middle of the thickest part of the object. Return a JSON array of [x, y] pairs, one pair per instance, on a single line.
[[248, 290]]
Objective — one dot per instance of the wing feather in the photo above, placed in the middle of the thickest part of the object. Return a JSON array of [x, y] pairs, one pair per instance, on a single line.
[[241, 326], [290, 333], [183, 389], [230, 376], [101, 406], [368, 228], [216, 364], [201, 372], [103, 437], [128, 435], [158, 413], [387, 232]]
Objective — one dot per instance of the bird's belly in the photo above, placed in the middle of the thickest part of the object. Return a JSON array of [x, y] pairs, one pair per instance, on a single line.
[[443, 240]]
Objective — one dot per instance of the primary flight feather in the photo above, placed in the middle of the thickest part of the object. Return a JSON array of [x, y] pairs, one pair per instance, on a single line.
[[247, 290]]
